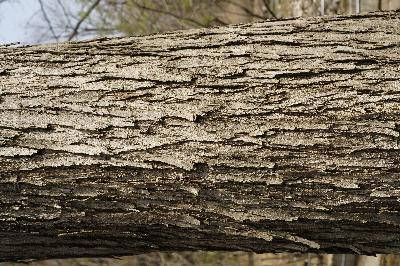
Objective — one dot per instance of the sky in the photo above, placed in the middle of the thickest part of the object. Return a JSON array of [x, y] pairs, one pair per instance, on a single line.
[[14, 17]]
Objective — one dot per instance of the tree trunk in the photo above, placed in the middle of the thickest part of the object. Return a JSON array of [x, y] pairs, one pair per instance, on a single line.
[[266, 137]]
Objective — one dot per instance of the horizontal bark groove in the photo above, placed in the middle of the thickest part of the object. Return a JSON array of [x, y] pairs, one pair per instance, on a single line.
[[268, 137]]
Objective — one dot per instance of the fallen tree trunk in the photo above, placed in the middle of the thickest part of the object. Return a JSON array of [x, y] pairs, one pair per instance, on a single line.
[[267, 137]]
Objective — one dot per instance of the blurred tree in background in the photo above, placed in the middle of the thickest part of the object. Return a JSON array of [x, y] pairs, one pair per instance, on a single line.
[[67, 20], [82, 19]]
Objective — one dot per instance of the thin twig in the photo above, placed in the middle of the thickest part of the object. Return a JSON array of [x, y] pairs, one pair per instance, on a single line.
[[219, 21], [65, 13], [266, 4], [169, 14], [46, 18], [96, 29], [245, 14], [85, 16], [247, 11]]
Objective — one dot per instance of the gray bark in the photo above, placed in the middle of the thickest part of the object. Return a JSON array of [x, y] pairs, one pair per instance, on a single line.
[[266, 137]]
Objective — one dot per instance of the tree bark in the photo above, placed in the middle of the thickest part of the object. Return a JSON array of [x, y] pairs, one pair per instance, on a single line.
[[266, 137]]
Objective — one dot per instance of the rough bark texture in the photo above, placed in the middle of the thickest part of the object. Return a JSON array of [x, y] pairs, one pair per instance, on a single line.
[[269, 137]]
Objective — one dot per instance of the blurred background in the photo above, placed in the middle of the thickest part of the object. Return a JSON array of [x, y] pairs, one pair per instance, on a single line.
[[51, 21], [44, 21]]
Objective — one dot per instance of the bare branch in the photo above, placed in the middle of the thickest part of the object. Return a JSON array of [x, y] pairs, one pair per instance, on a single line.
[[193, 21], [266, 4], [247, 11], [219, 21], [83, 18], [66, 15], [46, 18]]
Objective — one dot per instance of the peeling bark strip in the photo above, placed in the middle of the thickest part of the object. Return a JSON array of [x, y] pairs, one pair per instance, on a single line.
[[269, 137]]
